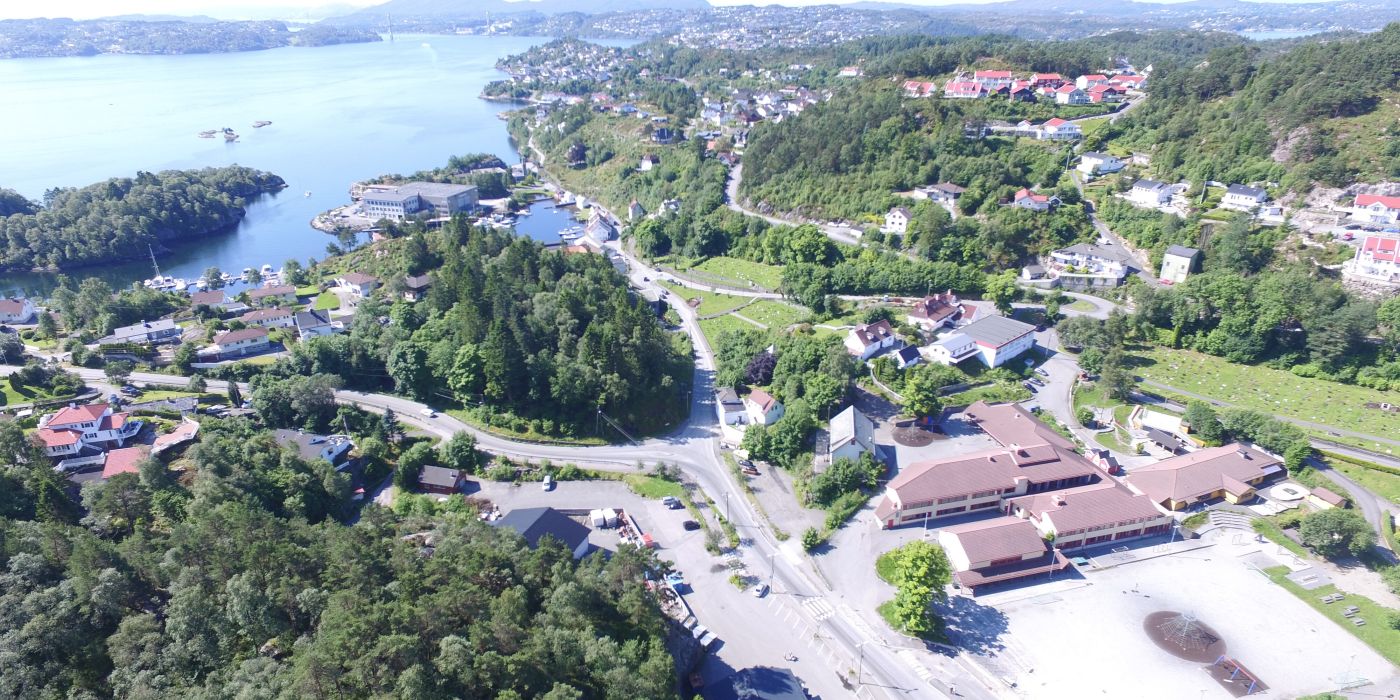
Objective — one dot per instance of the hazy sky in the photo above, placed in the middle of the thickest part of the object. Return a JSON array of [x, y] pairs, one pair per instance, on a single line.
[[84, 9]]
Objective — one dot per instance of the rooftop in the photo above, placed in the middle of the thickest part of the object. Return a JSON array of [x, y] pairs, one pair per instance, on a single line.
[[1104, 503], [534, 524], [1011, 424], [849, 426], [995, 539], [278, 290], [124, 460], [1193, 475], [143, 327], [987, 471], [439, 476], [762, 399], [357, 278], [264, 314], [871, 333], [1182, 251], [240, 335], [996, 331], [1246, 191]]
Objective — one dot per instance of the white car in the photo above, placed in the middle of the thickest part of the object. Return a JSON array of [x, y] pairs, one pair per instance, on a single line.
[[548, 483], [428, 413]]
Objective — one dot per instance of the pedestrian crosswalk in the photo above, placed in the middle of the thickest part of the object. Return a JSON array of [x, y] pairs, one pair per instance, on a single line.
[[912, 660], [818, 608]]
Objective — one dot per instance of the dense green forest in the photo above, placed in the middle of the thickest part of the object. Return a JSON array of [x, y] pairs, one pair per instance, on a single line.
[[233, 578], [887, 144], [535, 339], [117, 219], [1320, 112]]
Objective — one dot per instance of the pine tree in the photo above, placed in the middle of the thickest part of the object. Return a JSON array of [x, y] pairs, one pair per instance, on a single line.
[[389, 425], [235, 396]]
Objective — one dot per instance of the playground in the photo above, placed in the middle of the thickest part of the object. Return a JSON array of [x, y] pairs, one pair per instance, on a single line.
[[1220, 605]]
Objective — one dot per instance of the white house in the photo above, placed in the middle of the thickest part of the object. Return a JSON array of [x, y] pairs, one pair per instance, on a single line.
[[999, 339], [1377, 260], [1060, 130], [943, 192], [1178, 262], [244, 341], [1243, 198], [907, 356], [964, 90], [729, 407], [15, 310], [951, 349], [1026, 199], [273, 294], [359, 284], [762, 408], [144, 332], [1084, 82], [935, 311], [1086, 265], [94, 426], [1070, 95], [866, 340], [1095, 163], [276, 317], [1376, 209], [897, 220], [312, 323], [1150, 193], [851, 434]]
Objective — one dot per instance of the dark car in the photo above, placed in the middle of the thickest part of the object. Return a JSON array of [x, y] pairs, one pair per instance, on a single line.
[[690, 525]]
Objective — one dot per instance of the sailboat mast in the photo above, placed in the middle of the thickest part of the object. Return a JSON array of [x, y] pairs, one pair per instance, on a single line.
[[153, 259]]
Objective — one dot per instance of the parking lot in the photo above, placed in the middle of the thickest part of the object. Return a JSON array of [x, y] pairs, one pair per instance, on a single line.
[[751, 631], [1045, 636]]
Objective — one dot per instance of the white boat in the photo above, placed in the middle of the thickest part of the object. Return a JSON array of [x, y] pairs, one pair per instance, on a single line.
[[266, 270], [181, 285], [308, 193], [200, 284]]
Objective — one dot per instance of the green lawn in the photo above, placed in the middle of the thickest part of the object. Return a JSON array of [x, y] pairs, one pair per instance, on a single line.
[[1080, 305], [710, 302], [1271, 530], [309, 290], [166, 394], [1001, 392], [260, 360], [326, 301], [742, 272], [772, 313], [1377, 632], [653, 487], [712, 327], [9, 396], [1273, 391], [1378, 482]]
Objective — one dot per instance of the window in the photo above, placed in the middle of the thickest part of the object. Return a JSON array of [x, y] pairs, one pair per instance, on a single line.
[[946, 511], [953, 499], [988, 504]]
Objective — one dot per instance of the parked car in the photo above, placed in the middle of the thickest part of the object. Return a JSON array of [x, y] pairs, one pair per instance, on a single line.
[[1029, 387], [690, 525], [671, 502], [1041, 371], [428, 413], [760, 590], [548, 483], [1036, 381], [746, 464]]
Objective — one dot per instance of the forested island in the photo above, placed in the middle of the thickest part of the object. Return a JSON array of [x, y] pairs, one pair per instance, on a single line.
[[117, 219], [35, 38]]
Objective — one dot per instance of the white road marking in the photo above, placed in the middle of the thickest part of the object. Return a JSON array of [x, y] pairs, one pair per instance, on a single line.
[[819, 608]]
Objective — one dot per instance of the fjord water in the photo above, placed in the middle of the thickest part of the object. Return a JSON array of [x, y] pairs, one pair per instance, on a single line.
[[338, 113]]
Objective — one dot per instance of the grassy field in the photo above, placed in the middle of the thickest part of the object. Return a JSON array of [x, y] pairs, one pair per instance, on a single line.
[[710, 302], [326, 301], [1000, 392], [529, 435], [1272, 391], [1081, 305], [653, 487], [1378, 482], [309, 290], [712, 327], [773, 313], [1377, 633], [743, 272], [166, 394]]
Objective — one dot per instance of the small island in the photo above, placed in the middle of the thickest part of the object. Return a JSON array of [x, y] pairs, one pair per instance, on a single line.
[[113, 220]]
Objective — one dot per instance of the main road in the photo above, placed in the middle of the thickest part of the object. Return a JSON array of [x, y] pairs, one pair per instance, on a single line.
[[694, 447]]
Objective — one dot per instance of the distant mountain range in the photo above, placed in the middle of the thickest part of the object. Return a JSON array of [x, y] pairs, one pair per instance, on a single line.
[[455, 9]]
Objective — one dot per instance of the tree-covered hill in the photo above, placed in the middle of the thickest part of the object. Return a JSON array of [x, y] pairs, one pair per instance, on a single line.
[[29, 38], [232, 582], [1324, 111], [117, 219]]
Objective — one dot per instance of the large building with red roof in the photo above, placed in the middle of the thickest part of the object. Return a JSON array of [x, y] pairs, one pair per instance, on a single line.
[[1230, 472], [1376, 209], [93, 426], [998, 550], [1377, 260]]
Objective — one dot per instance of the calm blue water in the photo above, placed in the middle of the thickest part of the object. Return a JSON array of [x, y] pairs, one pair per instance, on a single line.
[[339, 113]]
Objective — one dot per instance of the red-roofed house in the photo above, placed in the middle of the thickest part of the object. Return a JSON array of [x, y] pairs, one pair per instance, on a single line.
[[1052, 80], [68, 431], [1104, 93], [996, 551], [1068, 94], [15, 310], [1127, 82], [1377, 260], [918, 88], [1057, 129], [124, 460], [992, 79], [762, 408], [1376, 209], [867, 339], [1026, 199], [276, 317], [1021, 91], [936, 311], [184, 432], [964, 90], [1084, 82]]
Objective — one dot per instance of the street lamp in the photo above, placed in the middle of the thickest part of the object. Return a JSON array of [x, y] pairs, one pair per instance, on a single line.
[[860, 664]]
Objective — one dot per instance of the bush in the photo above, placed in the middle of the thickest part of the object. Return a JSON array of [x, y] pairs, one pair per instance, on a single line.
[[811, 539]]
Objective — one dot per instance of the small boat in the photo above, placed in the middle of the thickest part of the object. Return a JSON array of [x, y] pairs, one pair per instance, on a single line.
[[181, 285], [230, 137], [208, 134], [266, 270], [200, 284], [260, 124], [308, 193]]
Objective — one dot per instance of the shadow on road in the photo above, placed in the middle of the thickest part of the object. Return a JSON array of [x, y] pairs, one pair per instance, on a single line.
[[973, 627]]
